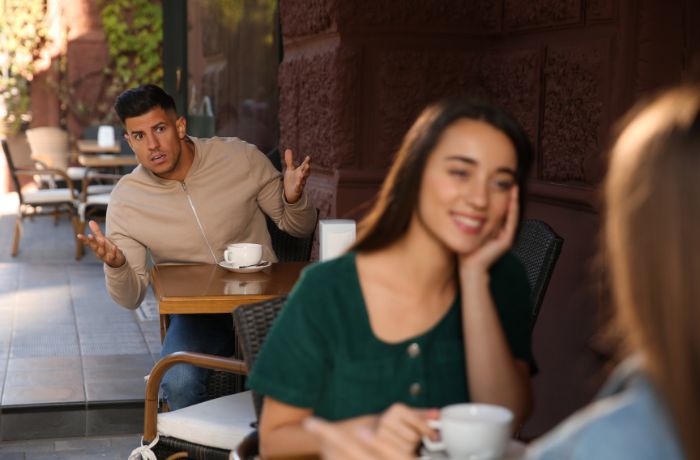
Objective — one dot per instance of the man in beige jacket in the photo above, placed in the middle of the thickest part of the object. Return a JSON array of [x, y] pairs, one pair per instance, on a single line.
[[186, 201]]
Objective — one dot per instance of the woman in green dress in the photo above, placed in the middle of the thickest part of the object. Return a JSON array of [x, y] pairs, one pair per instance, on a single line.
[[428, 308]]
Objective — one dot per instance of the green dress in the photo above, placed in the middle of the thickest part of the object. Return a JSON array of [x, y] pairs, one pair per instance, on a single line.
[[321, 352]]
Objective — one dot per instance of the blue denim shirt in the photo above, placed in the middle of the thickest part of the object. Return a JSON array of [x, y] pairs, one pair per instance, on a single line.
[[628, 421]]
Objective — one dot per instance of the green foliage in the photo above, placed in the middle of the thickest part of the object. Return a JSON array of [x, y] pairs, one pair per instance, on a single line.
[[22, 34], [134, 31], [134, 35]]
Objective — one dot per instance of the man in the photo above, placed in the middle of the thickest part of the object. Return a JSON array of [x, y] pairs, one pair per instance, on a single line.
[[186, 201]]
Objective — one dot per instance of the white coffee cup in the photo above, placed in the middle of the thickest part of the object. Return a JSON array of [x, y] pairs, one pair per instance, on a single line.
[[472, 431], [243, 254]]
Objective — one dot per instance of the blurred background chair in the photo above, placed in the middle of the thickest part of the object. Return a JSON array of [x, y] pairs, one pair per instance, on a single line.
[[537, 246], [42, 202], [288, 249], [50, 147], [214, 429]]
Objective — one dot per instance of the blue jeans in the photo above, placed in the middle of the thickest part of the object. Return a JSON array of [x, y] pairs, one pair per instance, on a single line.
[[185, 384]]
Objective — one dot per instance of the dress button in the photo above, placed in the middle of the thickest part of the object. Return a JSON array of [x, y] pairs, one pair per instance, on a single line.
[[413, 350], [414, 389]]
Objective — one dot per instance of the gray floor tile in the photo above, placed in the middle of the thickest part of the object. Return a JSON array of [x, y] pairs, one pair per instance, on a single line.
[[118, 361], [25, 447], [107, 375], [28, 395], [116, 390], [45, 377], [107, 349], [116, 420], [43, 423], [44, 362], [90, 445]]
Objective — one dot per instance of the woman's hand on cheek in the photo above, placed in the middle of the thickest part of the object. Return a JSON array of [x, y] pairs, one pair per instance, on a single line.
[[496, 244]]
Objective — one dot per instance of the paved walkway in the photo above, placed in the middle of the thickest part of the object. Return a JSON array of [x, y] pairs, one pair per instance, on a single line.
[[72, 361], [102, 447]]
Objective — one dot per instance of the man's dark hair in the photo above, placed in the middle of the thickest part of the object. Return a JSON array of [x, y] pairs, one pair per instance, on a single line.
[[137, 101]]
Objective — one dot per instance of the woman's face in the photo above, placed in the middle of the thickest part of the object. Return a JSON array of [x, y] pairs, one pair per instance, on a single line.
[[466, 185]]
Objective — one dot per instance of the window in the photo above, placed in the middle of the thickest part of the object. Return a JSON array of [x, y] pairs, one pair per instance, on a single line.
[[232, 59]]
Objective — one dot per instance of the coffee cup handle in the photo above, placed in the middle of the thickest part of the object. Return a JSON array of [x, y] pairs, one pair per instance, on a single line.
[[226, 256], [433, 445]]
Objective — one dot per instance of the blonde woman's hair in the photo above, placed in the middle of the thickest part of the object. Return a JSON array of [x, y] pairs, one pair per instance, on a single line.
[[652, 236]]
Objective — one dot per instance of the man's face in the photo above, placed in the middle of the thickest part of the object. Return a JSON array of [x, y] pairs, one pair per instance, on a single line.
[[155, 137]]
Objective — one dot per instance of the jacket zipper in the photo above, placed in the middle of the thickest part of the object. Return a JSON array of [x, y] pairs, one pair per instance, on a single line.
[[199, 223]]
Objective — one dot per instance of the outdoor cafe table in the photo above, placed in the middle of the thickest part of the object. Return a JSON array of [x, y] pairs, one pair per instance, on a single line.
[[208, 288], [90, 146], [107, 161]]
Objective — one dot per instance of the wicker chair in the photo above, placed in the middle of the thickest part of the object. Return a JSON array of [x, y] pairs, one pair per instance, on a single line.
[[52, 202], [288, 249], [182, 434], [537, 247]]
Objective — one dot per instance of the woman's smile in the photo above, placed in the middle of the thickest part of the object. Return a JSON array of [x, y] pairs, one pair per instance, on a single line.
[[466, 186]]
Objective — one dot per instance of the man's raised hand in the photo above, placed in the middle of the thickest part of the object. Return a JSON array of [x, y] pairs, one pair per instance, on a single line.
[[104, 249], [295, 177]]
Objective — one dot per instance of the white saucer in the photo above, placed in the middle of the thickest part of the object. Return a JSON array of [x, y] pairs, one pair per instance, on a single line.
[[515, 451], [234, 268]]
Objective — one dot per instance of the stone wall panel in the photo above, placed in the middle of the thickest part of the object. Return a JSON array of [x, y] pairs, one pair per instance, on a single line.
[[400, 91], [305, 17], [601, 10], [573, 110], [317, 106], [531, 14], [512, 79], [477, 16]]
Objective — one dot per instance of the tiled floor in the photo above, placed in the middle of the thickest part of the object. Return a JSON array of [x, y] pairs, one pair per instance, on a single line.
[[65, 347], [105, 447]]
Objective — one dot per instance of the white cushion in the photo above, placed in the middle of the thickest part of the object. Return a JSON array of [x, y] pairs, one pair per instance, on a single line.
[[221, 422], [55, 195], [76, 172], [102, 199], [99, 188]]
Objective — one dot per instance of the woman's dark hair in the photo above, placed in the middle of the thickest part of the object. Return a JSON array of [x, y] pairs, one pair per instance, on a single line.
[[135, 102], [391, 215]]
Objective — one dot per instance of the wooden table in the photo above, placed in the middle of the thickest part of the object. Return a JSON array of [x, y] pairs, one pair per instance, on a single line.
[[208, 288], [90, 146], [107, 161]]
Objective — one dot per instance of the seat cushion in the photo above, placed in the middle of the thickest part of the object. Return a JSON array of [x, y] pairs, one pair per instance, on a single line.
[[101, 199], [76, 172], [47, 196], [96, 189], [221, 422]]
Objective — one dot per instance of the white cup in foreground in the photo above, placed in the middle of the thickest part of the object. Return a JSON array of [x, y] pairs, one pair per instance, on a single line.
[[242, 254], [473, 431]]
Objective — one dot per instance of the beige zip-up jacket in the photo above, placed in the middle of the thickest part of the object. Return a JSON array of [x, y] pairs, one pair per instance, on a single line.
[[228, 187]]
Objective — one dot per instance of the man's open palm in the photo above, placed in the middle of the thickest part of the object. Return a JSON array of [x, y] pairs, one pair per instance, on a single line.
[[104, 249], [295, 177]]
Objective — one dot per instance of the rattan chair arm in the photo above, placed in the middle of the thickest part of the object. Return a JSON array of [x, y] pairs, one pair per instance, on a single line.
[[150, 424], [94, 176], [47, 172]]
